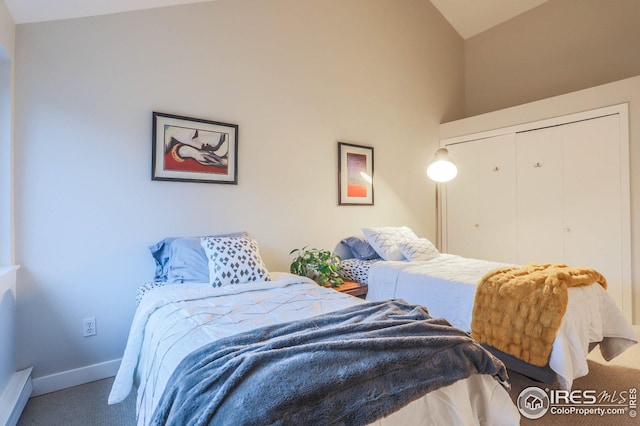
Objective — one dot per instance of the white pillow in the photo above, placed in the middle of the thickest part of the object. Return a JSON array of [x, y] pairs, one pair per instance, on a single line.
[[420, 249], [234, 261], [385, 240]]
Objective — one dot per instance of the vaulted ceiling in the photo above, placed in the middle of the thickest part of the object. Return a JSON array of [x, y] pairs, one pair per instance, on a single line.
[[468, 17]]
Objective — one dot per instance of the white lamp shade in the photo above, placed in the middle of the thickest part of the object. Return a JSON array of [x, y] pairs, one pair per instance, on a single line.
[[442, 168]]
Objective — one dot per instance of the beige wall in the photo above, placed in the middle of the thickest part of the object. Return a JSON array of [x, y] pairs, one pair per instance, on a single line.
[[559, 47], [7, 54], [7, 296], [7, 32], [296, 76]]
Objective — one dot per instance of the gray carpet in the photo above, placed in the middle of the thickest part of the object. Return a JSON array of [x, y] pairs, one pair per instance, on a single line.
[[86, 405]]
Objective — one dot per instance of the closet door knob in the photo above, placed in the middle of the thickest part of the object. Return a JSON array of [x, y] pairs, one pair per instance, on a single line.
[[496, 169], [537, 165]]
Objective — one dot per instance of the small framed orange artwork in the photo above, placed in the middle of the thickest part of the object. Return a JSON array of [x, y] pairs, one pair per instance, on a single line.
[[355, 174]]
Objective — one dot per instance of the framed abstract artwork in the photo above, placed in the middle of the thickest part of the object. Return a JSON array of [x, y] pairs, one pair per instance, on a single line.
[[194, 150], [355, 174]]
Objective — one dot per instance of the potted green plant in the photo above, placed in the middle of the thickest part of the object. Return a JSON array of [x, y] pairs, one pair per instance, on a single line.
[[320, 265]]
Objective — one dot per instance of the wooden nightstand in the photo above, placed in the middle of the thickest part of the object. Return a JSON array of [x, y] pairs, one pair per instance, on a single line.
[[353, 288]]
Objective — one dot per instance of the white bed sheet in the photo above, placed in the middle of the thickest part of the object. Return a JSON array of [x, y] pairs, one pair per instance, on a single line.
[[446, 285], [174, 320]]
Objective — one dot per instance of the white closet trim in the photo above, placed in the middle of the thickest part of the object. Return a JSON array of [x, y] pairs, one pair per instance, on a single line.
[[622, 109]]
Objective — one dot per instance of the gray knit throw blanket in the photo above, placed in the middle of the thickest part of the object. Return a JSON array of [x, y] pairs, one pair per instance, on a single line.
[[348, 367]]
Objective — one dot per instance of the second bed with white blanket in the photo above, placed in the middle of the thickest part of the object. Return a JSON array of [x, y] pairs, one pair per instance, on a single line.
[[446, 285]]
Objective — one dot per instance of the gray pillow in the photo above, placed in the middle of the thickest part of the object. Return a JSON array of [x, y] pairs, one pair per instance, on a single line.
[[182, 259], [360, 248]]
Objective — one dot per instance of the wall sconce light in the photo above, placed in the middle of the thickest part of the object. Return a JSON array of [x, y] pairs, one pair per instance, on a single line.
[[442, 168]]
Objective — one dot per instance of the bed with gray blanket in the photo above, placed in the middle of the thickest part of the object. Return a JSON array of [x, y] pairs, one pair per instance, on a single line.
[[288, 351]]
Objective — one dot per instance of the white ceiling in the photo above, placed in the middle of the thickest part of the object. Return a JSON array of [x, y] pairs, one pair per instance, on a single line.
[[25, 11], [471, 17], [468, 17]]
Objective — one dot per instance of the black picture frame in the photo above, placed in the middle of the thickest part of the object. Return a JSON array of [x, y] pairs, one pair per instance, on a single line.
[[355, 175], [187, 149]]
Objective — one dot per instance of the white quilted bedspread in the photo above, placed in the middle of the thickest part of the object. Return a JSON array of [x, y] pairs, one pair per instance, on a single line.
[[173, 320]]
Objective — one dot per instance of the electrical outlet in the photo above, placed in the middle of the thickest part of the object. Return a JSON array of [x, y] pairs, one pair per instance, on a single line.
[[89, 327]]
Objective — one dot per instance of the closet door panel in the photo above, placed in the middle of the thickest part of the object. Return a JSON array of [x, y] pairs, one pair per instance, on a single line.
[[592, 201], [497, 201], [481, 200], [540, 199], [462, 201]]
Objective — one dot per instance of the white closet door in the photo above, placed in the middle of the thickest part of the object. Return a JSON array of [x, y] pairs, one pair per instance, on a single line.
[[540, 199], [572, 204], [462, 202], [592, 201], [481, 201]]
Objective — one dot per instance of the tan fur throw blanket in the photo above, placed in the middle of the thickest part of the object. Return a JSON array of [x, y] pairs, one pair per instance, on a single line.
[[518, 310]]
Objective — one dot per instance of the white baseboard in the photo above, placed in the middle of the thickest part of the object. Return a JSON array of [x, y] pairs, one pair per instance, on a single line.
[[15, 397], [79, 376]]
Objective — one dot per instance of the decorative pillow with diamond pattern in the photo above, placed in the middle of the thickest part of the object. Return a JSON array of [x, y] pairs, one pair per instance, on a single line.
[[385, 240], [234, 260], [420, 249]]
